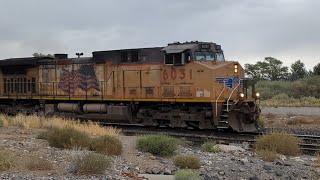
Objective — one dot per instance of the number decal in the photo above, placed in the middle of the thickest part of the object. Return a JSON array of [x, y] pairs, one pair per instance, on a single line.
[[182, 74], [173, 74], [165, 74]]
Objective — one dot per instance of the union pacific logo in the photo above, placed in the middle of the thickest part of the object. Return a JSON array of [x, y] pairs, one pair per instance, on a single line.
[[229, 82]]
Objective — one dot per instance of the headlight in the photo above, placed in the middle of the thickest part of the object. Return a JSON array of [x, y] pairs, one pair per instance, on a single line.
[[236, 68], [241, 95], [257, 95]]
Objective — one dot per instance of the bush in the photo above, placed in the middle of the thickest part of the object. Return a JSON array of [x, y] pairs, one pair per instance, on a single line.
[[210, 147], [91, 163], [281, 143], [262, 120], [36, 163], [157, 144], [266, 154], [187, 161], [300, 120], [6, 161], [187, 175], [107, 145], [67, 138], [1, 123]]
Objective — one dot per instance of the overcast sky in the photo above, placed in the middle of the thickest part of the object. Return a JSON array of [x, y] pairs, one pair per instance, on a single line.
[[248, 30]]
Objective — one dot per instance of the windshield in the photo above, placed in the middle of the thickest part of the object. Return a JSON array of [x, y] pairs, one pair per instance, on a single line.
[[204, 56], [220, 57]]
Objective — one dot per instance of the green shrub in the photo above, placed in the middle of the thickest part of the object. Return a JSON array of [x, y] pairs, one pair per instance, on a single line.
[[187, 161], [6, 160], [67, 138], [262, 120], [91, 163], [108, 145], [157, 144], [1, 123], [281, 143], [210, 147], [187, 175]]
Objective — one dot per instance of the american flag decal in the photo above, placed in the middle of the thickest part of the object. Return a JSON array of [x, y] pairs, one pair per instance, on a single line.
[[84, 78]]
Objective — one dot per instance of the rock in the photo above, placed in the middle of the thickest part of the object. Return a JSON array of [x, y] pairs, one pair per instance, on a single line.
[[155, 170], [242, 170], [279, 163], [149, 170], [167, 171], [221, 173], [243, 161], [253, 178], [281, 157], [267, 167], [152, 157], [206, 177], [230, 148], [278, 172]]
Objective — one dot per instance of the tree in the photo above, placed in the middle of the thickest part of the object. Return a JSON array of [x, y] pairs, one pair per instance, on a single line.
[[274, 69], [298, 70], [270, 68], [316, 69], [42, 55]]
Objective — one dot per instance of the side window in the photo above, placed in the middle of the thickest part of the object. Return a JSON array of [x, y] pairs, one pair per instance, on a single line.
[[4, 85], [129, 56], [134, 56], [124, 56], [33, 85], [168, 59], [177, 59]]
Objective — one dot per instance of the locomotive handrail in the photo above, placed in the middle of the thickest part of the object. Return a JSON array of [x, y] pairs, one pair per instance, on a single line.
[[224, 87], [232, 93]]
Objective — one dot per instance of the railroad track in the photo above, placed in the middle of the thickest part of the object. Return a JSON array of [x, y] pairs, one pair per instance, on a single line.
[[309, 144]]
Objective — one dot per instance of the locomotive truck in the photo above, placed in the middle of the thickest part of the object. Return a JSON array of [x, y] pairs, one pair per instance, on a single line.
[[181, 85]]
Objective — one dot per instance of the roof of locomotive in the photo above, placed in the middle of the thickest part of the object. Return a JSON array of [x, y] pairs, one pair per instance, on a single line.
[[26, 61]]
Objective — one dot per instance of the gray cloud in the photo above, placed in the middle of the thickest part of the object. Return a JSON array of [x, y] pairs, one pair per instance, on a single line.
[[248, 30]]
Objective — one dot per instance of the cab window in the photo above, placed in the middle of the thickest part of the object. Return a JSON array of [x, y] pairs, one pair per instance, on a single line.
[[220, 57], [204, 56]]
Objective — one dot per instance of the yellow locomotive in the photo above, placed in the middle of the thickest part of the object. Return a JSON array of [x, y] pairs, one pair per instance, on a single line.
[[181, 85]]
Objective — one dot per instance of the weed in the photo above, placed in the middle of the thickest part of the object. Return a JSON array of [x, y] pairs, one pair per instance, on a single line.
[[35, 163], [300, 120], [318, 158], [91, 163], [187, 175], [6, 160], [187, 161], [107, 145], [1, 123], [211, 147], [281, 143], [67, 138], [157, 144], [270, 115], [262, 120], [266, 154]]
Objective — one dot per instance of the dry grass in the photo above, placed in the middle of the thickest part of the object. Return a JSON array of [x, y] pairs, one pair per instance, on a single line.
[[91, 163], [281, 143], [298, 120], [270, 115], [6, 160], [33, 121], [187, 161], [266, 154], [107, 145], [35, 164], [187, 175], [318, 158]]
